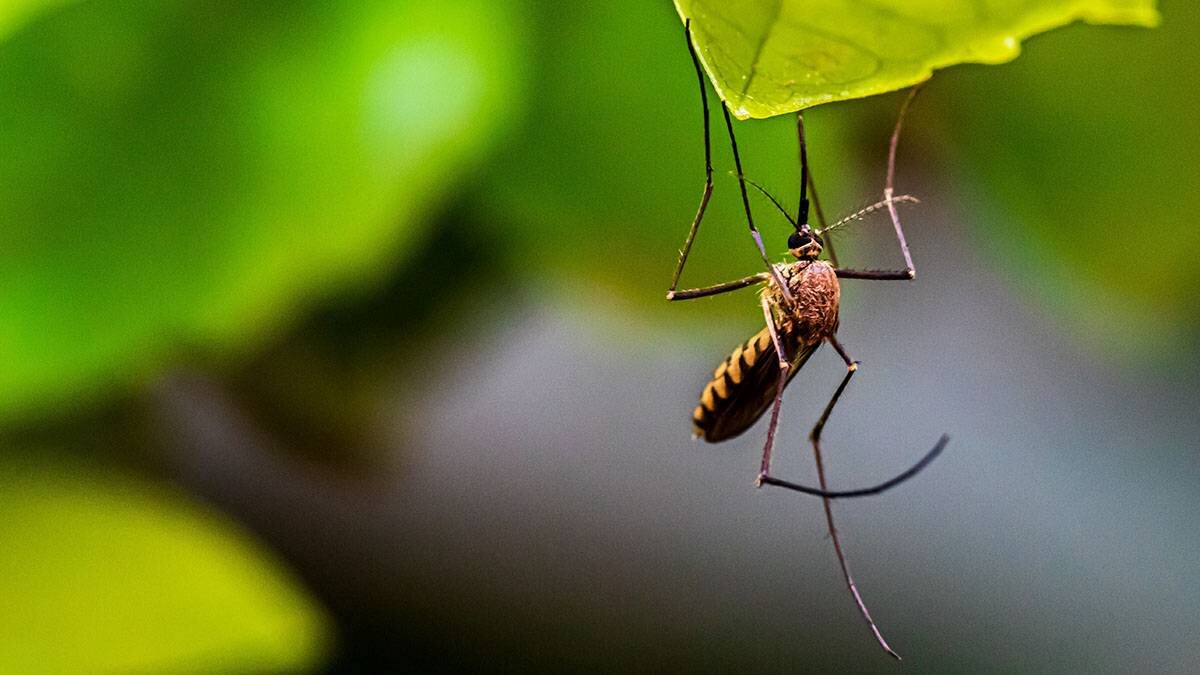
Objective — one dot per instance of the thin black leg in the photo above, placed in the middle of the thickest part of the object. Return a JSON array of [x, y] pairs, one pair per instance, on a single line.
[[691, 293], [867, 491], [784, 366], [806, 181], [737, 162], [890, 199], [815, 437], [888, 275], [764, 477], [889, 190], [708, 184], [828, 238]]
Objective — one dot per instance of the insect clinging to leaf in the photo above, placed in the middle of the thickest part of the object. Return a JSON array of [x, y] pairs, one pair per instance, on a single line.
[[800, 303]]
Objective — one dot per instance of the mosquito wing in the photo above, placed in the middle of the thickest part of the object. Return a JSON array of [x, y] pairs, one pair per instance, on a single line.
[[743, 386]]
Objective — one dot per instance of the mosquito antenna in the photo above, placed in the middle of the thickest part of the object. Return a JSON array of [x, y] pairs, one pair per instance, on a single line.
[[775, 202], [862, 213]]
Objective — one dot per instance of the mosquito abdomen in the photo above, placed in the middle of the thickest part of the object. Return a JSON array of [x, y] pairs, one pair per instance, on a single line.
[[743, 386]]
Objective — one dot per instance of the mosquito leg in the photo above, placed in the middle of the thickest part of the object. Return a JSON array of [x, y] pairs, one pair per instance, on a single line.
[[889, 200], [887, 275], [765, 477], [816, 201], [764, 474], [824, 491], [784, 365], [708, 184], [737, 161], [691, 293], [889, 189], [815, 437], [868, 491]]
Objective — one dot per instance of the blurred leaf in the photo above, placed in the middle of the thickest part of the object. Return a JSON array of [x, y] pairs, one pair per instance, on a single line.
[[770, 57], [1079, 189], [14, 13], [103, 573], [184, 172]]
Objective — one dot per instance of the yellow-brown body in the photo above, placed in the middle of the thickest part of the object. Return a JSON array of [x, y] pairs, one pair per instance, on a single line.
[[743, 386]]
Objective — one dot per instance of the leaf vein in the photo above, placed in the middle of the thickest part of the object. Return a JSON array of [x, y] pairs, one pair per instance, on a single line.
[[758, 50]]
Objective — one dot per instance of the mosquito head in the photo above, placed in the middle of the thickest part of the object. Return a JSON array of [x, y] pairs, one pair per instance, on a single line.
[[805, 244]]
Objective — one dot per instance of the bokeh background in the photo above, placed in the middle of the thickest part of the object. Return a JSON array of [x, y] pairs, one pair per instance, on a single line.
[[333, 339]]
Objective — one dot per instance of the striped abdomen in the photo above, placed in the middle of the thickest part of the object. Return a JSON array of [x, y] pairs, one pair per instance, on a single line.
[[743, 386]]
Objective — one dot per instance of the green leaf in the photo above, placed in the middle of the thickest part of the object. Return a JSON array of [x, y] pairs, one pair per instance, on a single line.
[[100, 572], [15, 13], [191, 174], [771, 57]]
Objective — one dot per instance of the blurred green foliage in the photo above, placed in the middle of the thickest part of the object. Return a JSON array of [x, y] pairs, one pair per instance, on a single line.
[[187, 175], [14, 13], [1080, 160], [772, 58], [190, 172], [102, 572]]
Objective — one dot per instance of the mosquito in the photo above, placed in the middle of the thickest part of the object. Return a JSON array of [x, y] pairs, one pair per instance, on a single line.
[[800, 304]]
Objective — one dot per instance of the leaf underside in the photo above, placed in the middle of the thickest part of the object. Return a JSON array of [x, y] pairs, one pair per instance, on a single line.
[[772, 57]]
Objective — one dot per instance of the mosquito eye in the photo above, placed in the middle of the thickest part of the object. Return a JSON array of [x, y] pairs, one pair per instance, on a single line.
[[817, 238], [798, 240]]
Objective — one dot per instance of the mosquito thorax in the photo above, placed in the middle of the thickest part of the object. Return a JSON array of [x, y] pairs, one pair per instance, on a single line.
[[804, 244]]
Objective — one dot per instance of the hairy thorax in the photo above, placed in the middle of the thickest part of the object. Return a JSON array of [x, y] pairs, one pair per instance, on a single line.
[[814, 286]]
